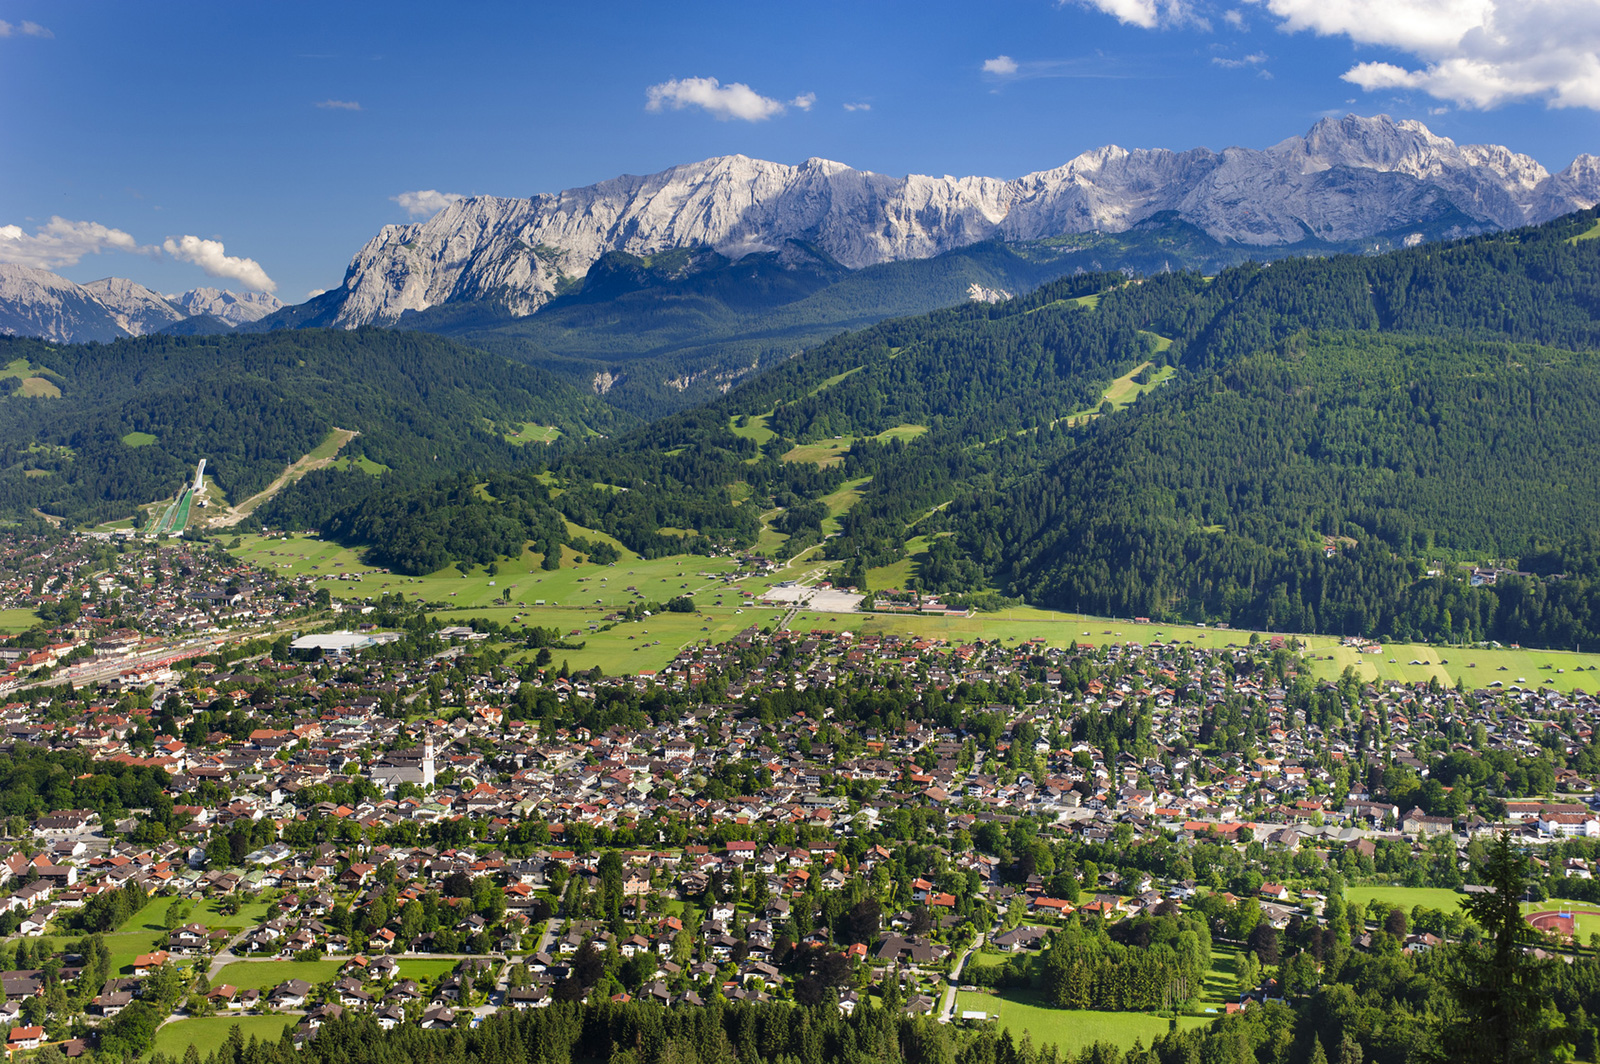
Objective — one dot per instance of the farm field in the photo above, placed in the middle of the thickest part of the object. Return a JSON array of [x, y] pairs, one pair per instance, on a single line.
[[208, 1033], [575, 589], [1070, 1030], [1563, 670], [264, 975]]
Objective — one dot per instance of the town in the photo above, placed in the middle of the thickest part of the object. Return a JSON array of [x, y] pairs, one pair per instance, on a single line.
[[212, 820]]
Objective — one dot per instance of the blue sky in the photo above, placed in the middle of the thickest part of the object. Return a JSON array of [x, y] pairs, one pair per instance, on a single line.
[[235, 145]]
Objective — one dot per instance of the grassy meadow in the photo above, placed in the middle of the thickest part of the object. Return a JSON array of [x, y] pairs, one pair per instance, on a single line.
[[208, 1033], [1070, 1030]]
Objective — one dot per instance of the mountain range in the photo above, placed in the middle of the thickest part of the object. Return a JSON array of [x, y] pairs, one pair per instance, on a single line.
[[42, 304], [1346, 179]]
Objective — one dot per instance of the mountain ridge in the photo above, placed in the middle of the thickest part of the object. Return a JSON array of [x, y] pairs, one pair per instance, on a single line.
[[1345, 179]]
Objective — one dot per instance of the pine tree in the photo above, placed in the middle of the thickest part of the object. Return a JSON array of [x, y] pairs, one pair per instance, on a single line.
[[1504, 1016]]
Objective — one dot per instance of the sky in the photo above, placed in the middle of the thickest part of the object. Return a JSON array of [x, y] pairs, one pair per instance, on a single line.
[[257, 147]]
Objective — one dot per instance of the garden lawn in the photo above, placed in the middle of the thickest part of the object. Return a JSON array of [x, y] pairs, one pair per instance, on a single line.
[[208, 1033], [263, 975], [1070, 1030], [1222, 978]]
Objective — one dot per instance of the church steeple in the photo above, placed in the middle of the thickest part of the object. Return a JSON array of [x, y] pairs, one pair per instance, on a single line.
[[427, 757]]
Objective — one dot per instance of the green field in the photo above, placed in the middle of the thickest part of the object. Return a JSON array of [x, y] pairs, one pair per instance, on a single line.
[[264, 975], [153, 916], [1563, 670], [1070, 1030], [124, 946], [208, 1033], [578, 597], [1407, 897], [1590, 233], [533, 432], [832, 452], [361, 462], [420, 968], [138, 439], [1124, 390], [17, 620], [754, 428], [34, 386]]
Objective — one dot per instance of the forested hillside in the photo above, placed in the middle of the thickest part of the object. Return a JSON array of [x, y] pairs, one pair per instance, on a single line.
[[1336, 440], [1321, 445], [674, 330], [133, 417]]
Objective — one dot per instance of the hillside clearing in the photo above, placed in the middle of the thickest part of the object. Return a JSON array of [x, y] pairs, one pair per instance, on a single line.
[[320, 457]]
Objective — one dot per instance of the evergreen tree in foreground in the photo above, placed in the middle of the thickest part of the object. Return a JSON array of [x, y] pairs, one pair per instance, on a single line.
[[1503, 1017]]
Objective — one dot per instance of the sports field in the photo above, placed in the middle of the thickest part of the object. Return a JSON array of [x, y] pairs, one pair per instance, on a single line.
[[18, 620], [208, 1033], [1070, 1030], [1586, 914]]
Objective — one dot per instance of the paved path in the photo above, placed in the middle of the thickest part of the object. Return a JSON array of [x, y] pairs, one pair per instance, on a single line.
[[948, 1008]]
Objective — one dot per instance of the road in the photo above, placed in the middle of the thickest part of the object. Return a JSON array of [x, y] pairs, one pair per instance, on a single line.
[[948, 1007]]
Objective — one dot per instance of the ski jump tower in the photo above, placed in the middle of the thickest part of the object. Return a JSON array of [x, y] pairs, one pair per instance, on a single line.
[[199, 477]]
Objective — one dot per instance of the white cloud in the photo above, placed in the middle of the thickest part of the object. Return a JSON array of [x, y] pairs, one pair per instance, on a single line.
[[315, 292], [63, 243], [1255, 59], [1148, 14], [427, 202], [858, 107], [212, 257], [339, 105], [1003, 65], [27, 29], [1474, 53], [735, 100], [1234, 17]]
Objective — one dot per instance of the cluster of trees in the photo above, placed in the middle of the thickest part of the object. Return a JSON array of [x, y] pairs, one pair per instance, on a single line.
[[1152, 963]]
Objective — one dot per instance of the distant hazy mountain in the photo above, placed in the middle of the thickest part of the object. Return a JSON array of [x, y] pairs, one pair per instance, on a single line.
[[231, 307], [38, 303], [1345, 180], [137, 309], [50, 307]]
